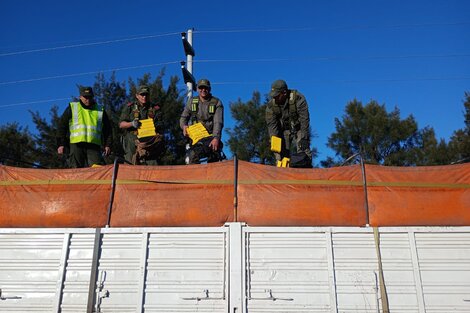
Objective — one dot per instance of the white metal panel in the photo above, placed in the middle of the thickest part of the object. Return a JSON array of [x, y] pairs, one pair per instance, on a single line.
[[402, 287], [119, 273], [77, 274], [276, 269], [355, 263], [444, 260], [29, 271], [287, 272], [187, 272]]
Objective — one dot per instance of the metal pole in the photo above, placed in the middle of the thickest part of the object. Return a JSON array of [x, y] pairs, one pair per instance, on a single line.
[[189, 64], [235, 189], [94, 271], [113, 189], [364, 182]]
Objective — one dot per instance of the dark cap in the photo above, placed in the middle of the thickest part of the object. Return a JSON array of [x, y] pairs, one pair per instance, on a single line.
[[143, 89], [86, 92], [277, 87], [204, 83]]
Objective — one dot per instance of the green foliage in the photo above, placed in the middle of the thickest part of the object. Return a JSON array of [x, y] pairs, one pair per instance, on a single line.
[[249, 139], [46, 152], [459, 144], [111, 94], [382, 137], [17, 147]]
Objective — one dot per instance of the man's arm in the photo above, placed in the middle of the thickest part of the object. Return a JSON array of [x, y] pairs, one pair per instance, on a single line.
[[184, 119], [271, 122], [304, 117], [63, 130], [218, 120]]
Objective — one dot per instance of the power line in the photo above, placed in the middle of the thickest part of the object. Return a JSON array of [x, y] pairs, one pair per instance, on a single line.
[[254, 30], [387, 80], [309, 59], [220, 83], [97, 43], [33, 102], [329, 58], [87, 73], [347, 27]]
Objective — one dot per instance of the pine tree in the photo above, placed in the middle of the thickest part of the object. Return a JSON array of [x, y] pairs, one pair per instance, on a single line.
[[249, 139]]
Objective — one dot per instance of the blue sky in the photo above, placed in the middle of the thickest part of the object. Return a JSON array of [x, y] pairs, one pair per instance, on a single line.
[[414, 55]]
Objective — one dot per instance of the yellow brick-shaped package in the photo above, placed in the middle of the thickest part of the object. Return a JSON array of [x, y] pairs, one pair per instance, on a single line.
[[146, 129], [197, 132], [276, 144]]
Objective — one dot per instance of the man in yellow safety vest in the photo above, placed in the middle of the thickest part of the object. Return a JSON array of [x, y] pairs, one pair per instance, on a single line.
[[85, 127]]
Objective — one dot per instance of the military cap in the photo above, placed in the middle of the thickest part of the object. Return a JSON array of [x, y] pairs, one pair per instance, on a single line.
[[86, 92], [204, 83], [277, 87], [143, 89]]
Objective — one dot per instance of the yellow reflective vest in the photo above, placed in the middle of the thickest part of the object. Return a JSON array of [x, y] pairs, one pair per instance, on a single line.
[[86, 124]]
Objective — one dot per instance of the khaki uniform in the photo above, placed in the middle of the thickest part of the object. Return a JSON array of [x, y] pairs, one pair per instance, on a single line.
[[290, 122], [144, 151], [211, 114]]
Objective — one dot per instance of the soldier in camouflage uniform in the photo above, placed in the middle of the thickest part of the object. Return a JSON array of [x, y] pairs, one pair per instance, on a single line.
[[208, 110], [287, 117], [143, 151]]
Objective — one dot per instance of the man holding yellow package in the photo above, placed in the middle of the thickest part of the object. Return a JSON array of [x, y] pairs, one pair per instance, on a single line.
[[202, 121], [288, 124], [142, 122]]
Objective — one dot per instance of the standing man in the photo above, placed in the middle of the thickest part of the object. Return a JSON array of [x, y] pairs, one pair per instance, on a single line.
[[86, 127], [287, 117], [140, 150], [209, 111]]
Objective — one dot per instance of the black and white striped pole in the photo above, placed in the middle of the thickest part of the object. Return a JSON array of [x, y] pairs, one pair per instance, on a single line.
[[187, 67]]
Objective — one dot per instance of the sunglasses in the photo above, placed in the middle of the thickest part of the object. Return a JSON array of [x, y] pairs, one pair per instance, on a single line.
[[203, 88]]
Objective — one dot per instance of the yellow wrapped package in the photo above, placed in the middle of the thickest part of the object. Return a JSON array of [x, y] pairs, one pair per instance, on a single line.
[[197, 132], [276, 144], [283, 163], [146, 129]]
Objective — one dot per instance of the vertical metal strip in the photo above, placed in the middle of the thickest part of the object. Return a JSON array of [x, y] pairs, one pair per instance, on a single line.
[[246, 269], [113, 190], [364, 182], [235, 267], [416, 272], [94, 271], [235, 189], [331, 271], [143, 272], [62, 272], [383, 290]]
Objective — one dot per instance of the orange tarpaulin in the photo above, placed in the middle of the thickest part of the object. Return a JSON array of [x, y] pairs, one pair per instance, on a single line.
[[274, 196], [192, 195], [427, 195], [203, 195], [54, 198]]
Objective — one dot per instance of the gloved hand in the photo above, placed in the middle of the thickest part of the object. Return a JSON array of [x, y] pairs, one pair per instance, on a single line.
[[304, 144], [136, 123]]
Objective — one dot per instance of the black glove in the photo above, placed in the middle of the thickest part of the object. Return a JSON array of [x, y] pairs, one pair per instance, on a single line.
[[136, 123], [304, 144]]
